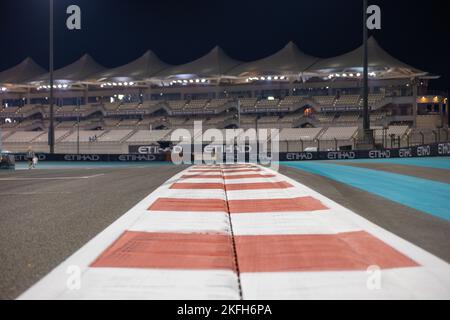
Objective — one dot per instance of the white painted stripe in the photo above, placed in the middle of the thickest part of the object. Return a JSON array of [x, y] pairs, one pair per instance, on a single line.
[[183, 222], [145, 284], [405, 283], [51, 178], [293, 223]]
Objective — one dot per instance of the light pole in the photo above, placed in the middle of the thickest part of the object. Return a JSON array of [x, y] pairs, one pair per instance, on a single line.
[[366, 118], [51, 132]]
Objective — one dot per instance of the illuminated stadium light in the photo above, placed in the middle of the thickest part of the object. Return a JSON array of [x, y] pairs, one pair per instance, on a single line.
[[263, 78], [114, 84], [270, 98], [197, 80], [60, 86], [203, 80], [3, 89], [344, 75], [358, 74], [338, 75], [131, 83], [269, 78], [120, 84], [351, 75], [65, 86], [125, 84], [191, 81], [282, 77]]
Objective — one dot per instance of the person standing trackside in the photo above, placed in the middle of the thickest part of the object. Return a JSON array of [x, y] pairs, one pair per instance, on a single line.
[[30, 156]]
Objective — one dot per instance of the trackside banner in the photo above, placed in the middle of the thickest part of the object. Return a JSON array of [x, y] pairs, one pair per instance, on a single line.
[[153, 153]]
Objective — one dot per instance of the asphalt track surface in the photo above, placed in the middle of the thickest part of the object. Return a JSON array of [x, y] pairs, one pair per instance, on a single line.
[[46, 215]]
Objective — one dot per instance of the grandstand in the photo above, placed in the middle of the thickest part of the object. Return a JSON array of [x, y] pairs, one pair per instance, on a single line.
[[313, 102]]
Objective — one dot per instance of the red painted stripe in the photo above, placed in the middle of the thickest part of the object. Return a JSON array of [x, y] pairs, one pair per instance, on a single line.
[[168, 251], [341, 252], [203, 205], [275, 205], [198, 186]]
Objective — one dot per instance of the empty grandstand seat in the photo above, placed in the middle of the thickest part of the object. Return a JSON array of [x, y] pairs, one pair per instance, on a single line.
[[248, 102], [265, 103], [325, 100], [291, 101], [176, 104], [146, 136], [115, 135], [339, 133], [348, 100], [84, 135], [217, 103], [23, 136], [297, 134]]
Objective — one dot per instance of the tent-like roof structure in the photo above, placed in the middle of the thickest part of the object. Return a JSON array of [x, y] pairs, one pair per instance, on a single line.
[[80, 71], [288, 61], [22, 73], [216, 63], [140, 69], [379, 60]]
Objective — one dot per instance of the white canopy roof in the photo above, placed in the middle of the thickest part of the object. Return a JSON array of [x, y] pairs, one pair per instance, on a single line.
[[81, 70], [288, 61], [379, 60], [22, 72], [140, 69], [216, 63]]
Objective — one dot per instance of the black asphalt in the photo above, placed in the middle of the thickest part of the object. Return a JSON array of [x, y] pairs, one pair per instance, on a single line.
[[43, 222], [424, 230]]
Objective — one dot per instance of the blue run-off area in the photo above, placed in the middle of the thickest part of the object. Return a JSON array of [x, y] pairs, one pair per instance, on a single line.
[[437, 163], [428, 196]]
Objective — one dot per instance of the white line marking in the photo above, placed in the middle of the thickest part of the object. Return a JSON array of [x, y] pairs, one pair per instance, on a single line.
[[51, 178]]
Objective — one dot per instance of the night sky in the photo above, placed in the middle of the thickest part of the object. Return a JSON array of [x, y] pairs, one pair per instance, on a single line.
[[115, 32]]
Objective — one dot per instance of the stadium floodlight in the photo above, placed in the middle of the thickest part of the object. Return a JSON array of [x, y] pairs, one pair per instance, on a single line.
[[269, 78], [351, 75], [125, 84], [197, 80], [358, 74], [131, 83], [191, 81], [275, 78], [337, 75], [120, 84], [282, 77], [271, 98], [263, 78], [344, 75], [203, 80], [114, 84], [60, 86]]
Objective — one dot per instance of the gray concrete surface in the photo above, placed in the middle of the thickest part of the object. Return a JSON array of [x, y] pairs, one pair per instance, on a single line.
[[43, 222]]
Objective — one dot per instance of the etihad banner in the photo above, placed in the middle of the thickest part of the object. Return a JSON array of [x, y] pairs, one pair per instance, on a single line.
[[156, 153]]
